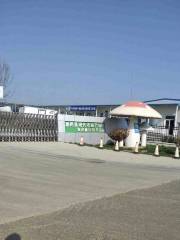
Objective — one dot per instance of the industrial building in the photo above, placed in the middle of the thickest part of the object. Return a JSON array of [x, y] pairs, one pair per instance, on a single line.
[[168, 108]]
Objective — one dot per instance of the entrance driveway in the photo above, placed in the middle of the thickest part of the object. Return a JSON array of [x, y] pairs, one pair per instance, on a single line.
[[38, 178]]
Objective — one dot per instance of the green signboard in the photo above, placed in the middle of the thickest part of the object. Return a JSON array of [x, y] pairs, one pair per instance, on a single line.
[[83, 127]]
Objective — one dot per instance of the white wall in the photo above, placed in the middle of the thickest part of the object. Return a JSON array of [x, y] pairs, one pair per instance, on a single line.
[[164, 110], [89, 138]]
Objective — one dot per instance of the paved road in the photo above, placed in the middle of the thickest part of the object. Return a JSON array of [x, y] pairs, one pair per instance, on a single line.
[[38, 178], [149, 214]]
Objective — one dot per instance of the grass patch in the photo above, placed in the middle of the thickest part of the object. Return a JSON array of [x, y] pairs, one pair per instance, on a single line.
[[165, 151]]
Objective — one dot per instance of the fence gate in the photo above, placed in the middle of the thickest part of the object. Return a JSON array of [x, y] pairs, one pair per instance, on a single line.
[[27, 127], [163, 134]]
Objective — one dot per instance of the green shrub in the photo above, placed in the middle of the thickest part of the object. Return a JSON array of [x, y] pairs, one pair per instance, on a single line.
[[119, 134]]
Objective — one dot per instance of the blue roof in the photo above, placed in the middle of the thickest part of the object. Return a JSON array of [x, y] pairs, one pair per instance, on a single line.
[[175, 101]]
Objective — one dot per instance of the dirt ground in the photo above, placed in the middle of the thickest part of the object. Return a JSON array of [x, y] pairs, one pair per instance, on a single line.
[[151, 214]]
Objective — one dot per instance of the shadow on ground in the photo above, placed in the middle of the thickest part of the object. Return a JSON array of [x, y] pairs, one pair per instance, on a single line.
[[13, 236]]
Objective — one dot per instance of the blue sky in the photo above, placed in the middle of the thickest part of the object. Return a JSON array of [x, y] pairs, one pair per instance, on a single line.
[[91, 52]]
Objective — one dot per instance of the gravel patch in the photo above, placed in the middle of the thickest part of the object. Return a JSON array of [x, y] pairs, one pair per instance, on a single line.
[[148, 214]]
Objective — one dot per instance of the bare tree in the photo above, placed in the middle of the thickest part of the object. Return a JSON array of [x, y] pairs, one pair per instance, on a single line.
[[5, 77]]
